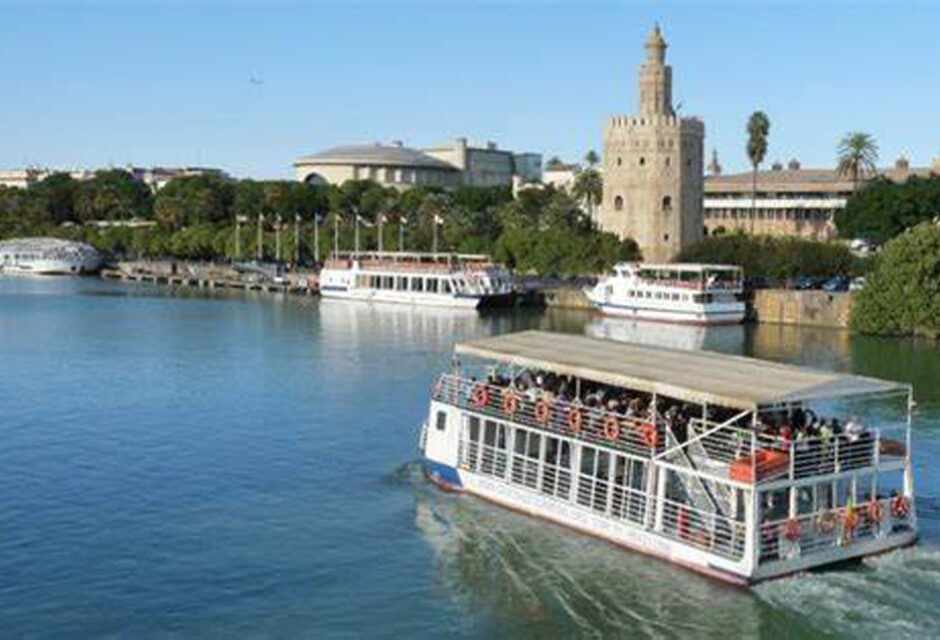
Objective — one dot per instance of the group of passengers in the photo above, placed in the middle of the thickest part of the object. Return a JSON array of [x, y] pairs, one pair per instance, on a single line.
[[815, 437], [549, 387]]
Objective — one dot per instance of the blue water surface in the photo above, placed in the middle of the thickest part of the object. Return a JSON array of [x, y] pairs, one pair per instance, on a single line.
[[195, 464]]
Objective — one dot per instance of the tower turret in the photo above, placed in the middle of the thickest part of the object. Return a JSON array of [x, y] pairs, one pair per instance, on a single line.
[[656, 77]]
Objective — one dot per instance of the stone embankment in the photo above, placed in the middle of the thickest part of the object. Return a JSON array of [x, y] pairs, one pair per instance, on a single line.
[[802, 308], [212, 275]]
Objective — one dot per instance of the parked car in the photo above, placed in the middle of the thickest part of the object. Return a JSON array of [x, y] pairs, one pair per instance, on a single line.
[[858, 284], [834, 285], [807, 282]]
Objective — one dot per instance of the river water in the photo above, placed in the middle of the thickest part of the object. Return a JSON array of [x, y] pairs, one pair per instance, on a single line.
[[195, 464]]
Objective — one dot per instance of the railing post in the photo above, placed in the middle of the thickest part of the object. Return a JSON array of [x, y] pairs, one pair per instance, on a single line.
[[836, 463]]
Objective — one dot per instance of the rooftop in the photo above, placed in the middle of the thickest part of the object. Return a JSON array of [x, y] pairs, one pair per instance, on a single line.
[[376, 154], [692, 376], [802, 179]]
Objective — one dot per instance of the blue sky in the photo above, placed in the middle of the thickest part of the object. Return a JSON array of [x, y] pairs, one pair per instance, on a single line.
[[97, 83]]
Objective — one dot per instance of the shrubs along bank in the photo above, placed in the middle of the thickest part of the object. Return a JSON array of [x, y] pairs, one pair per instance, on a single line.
[[902, 296], [882, 209], [542, 230]]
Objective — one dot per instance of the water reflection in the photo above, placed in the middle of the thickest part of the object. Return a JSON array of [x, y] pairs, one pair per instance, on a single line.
[[673, 336]]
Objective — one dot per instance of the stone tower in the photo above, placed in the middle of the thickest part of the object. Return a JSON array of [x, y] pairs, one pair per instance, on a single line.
[[654, 166]]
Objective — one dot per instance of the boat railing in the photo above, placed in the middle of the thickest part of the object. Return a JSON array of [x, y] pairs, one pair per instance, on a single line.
[[574, 420], [705, 530], [752, 457], [789, 538]]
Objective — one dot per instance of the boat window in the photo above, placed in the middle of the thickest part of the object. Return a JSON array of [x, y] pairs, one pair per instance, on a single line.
[[441, 420], [445, 286], [593, 481], [388, 282], [493, 455], [373, 282], [417, 284], [628, 497], [556, 472], [525, 459], [432, 285]]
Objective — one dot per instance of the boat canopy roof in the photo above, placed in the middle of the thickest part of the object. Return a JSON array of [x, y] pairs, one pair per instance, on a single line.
[[692, 376]]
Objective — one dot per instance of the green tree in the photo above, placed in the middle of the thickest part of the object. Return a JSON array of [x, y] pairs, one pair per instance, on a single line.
[[589, 188], [884, 208], [857, 155], [591, 158], [58, 192], [758, 128], [902, 295], [112, 194]]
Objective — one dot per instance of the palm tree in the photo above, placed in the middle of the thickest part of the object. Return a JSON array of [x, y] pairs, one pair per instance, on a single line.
[[858, 153], [589, 188], [591, 158], [758, 127]]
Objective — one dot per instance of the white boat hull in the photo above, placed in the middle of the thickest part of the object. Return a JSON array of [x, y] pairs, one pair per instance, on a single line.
[[49, 267], [694, 316], [420, 299]]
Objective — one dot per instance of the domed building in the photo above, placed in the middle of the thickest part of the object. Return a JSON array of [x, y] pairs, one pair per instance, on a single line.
[[392, 165]]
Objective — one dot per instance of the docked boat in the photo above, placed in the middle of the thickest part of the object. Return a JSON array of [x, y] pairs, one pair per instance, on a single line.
[[702, 294], [737, 468], [48, 256], [435, 279]]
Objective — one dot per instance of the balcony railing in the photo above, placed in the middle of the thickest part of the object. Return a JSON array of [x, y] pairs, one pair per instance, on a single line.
[[574, 420]]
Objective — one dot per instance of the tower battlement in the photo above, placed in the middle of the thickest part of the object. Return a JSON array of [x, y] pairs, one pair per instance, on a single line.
[[690, 124]]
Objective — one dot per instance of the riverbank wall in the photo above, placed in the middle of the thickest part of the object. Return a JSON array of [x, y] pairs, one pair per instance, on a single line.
[[802, 308]]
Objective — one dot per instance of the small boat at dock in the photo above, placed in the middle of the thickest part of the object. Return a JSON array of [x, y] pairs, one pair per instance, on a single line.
[[741, 469]]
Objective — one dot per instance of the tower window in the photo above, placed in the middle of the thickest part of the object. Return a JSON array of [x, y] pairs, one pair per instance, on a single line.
[[666, 237], [618, 161], [618, 204], [642, 161], [667, 204], [667, 161]]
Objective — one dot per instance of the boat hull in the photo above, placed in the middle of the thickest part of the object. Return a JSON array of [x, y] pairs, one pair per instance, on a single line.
[[674, 316], [640, 539], [454, 301]]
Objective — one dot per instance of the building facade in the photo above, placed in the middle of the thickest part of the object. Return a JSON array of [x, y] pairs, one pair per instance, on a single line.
[[653, 166], [788, 201], [448, 165]]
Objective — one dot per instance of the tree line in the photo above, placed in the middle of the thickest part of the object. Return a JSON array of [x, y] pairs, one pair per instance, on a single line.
[[195, 217]]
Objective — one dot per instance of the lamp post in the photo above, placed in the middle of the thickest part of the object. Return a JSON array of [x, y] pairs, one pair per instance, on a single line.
[[380, 221], [335, 234], [296, 238], [437, 222], [260, 237], [238, 238], [316, 239], [355, 213], [402, 221], [277, 239]]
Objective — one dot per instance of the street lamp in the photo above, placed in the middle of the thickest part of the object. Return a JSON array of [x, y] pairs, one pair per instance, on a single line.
[[238, 238], [277, 239], [260, 237], [402, 221], [296, 238], [316, 239]]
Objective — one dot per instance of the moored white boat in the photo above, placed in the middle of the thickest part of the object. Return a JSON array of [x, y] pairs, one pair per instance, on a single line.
[[433, 279], [729, 466], [47, 256], [701, 294]]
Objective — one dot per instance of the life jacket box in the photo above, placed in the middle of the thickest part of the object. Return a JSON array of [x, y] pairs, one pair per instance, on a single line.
[[764, 463]]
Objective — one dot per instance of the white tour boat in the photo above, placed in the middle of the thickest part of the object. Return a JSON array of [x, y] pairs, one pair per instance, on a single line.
[[436, 279], [47, 256], [734, 467], [704, 294]]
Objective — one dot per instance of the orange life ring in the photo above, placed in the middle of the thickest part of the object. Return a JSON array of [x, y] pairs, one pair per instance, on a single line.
[[900, 506], [611, 428], [793, 529], [481, 396], [510, 403], [650, 435], [849, 522], [574, 419], [875, 512], [542, 412]]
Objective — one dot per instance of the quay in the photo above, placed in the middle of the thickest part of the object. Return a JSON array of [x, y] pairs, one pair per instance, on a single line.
[[212, 276]]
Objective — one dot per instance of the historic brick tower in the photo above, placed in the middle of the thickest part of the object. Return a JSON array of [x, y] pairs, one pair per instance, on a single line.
[[653, 167]]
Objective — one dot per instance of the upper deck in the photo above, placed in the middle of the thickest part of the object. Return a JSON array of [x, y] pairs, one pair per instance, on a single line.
[[706, 277], [410, 262]]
